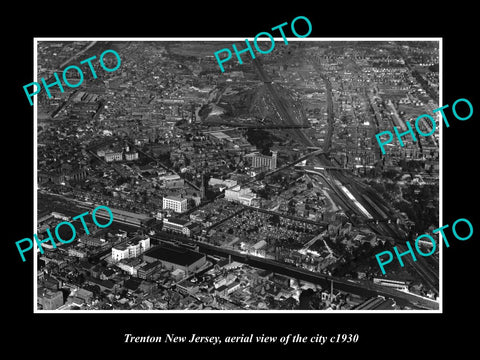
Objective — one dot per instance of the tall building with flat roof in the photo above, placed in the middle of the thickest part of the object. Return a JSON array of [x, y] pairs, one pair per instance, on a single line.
[[244, 196], [263, 161], [175, 203], [130, 248]]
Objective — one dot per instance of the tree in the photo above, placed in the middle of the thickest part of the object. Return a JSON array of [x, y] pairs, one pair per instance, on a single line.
[[379, 188], [305, 299], [274, 220], [270, 301]]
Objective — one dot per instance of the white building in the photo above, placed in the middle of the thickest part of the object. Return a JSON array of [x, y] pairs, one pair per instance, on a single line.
[[223, 184], [131, 156], [120, 252], [172, 181], [177, 225], [131, 266], [258, 249], [77, 253], [263, 161], [113, 156], [131, 248], [244, 196], [175, 203]]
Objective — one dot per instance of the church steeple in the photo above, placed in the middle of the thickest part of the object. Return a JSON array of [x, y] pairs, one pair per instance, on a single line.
[[202, 187]]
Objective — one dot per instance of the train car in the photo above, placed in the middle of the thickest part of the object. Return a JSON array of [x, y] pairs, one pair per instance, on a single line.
[[375, 206]]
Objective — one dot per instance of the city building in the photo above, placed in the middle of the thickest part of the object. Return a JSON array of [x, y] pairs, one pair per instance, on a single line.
[[113, 156], [131, 248], [92, 241], [263, 161], [84, 294], [222, 184], [77, 253], [146, 270], [175, 203], [224, 280], [198, 216], [49, 300], [172, 181], [176, 225], [187, 287], [244, 196], [174, 257], [131, 156], [104, 285], [130, 266]]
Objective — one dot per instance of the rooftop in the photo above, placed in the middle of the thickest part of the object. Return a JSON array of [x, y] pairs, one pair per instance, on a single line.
[[176, 220], [174, 254], [176, 198], [148, 266]]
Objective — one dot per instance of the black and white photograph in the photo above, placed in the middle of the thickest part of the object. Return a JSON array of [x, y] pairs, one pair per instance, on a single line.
[[218, 180], [259, 187]]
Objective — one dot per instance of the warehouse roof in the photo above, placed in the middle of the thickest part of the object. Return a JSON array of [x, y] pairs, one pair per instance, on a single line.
[[174, 254]]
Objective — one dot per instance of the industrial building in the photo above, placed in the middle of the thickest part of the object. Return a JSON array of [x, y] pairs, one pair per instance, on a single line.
[[244, 196], [176, 225], [175, 203], [174, 257], [263, 161], [131, 248], [172, 181]]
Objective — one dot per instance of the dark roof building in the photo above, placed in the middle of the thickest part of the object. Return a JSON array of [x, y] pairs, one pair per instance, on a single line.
[[103, 284], [131, 284], [175, 257], [146, 271]]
